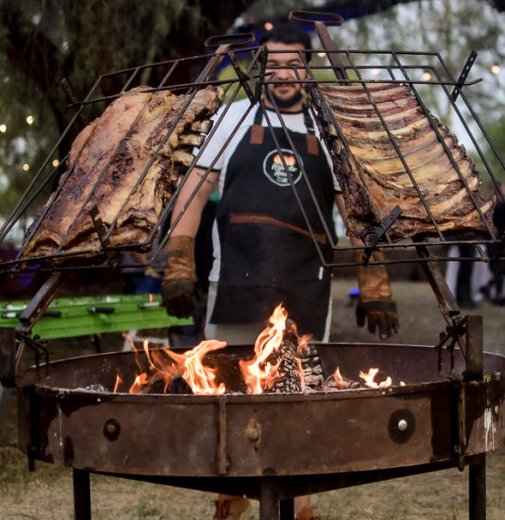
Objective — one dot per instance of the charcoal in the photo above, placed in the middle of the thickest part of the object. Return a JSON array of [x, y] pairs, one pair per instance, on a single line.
[[179, 385]]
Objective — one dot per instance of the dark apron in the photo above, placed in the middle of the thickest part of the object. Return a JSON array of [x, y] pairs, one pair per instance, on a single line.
[[268, 256]]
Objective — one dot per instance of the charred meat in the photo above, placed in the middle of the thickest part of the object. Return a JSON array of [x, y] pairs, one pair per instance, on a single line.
[[123, 168], [388, 152]]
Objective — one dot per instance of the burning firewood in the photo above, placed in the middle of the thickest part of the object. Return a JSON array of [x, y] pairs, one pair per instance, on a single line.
[[336, 380], [311, 366], [179, 385], [288, 379]]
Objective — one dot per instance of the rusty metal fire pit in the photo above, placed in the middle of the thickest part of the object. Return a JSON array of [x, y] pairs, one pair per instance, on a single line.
[[270, 447]]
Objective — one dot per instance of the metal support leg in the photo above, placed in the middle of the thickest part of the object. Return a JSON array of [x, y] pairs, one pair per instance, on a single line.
[[477, 488], [477, 466], [287, 507], [269, 502], [82, 495]]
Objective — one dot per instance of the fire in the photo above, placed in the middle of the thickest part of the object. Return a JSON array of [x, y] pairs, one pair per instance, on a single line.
[[369, 378], [339, 380], [201, 379], [164, 365], [260, 372], [140, 382], [277, 346], [118, 383]]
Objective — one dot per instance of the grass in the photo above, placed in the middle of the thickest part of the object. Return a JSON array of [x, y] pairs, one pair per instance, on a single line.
[[46, 494]]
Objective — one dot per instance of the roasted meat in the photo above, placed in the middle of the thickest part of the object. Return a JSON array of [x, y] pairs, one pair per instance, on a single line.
[[439, 194], [123, 167]]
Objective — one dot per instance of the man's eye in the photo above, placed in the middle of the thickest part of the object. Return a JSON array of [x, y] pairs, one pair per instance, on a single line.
[[271, 64]]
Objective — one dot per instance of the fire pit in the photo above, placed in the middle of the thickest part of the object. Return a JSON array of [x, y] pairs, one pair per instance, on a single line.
[[256, 444]]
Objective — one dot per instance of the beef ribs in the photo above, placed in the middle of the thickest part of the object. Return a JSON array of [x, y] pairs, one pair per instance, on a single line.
[[373, 175], [125, 166]]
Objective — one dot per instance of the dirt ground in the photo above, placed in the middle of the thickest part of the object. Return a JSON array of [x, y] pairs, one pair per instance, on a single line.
[[46, 494]]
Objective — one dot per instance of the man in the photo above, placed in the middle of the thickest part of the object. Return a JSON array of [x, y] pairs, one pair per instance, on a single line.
[[264, 253]]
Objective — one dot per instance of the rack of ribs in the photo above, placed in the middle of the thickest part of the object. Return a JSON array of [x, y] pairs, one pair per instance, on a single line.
[[124, 167], [389, 152]]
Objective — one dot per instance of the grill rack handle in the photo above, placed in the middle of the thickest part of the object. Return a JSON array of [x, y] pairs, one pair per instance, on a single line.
[[330, 19], [230, 40]]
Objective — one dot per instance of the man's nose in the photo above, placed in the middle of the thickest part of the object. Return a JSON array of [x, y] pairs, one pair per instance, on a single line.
[[284, 73]]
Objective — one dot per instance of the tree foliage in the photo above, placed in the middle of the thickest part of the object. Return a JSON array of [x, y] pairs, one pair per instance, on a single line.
[[44, 42]]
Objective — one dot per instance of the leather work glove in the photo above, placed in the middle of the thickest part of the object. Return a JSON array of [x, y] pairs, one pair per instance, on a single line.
[[179, 277], [375, 302]]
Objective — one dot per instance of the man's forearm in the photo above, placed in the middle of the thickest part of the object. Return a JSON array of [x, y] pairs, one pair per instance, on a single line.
[[339, 201], [190, 202]]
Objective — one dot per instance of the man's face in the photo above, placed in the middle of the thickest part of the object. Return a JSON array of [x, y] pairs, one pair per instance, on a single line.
[[288, 93]]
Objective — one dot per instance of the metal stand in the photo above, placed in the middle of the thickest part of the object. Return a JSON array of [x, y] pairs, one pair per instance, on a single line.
[[477, 488], [474, 372], [272, 506], [82, 495], [287, 509], [269, 502]]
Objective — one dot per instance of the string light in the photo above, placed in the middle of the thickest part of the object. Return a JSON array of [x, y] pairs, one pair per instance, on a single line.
[[26, 167], [268, 26], [29, 120], [495, 69], [56, 163], [3, 128], [426, 76]]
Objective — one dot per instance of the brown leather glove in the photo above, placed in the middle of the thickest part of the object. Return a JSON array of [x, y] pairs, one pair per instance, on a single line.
[[375, 302], [179, 277]]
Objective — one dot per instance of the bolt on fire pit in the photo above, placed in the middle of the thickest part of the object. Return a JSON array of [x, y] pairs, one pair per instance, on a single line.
[[450, 411]]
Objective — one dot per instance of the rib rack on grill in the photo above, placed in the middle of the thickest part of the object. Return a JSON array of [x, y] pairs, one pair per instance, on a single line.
[[429, 176], [126, 166]]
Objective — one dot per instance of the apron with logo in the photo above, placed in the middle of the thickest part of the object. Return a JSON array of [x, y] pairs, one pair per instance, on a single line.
[[268, 255]]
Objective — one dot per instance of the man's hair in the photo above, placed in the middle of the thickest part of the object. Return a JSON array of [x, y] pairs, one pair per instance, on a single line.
[[289, 33]]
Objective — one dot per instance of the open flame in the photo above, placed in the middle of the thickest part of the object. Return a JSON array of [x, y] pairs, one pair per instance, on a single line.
[[259, 373], [165, 364], [200, 378], [369, 378]]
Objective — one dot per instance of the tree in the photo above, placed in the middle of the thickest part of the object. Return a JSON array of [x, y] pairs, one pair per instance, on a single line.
[[441, 26], [44, 42]]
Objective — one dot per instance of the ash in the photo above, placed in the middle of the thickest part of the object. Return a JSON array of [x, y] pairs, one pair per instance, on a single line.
[[92, 388]]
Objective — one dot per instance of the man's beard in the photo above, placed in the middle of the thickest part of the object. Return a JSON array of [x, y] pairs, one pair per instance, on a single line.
[[284, 103]]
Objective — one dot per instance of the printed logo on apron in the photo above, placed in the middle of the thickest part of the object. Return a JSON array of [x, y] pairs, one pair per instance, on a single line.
[[273, 167]]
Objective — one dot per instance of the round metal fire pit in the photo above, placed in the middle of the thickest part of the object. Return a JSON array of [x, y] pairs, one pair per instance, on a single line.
[[73, 418]]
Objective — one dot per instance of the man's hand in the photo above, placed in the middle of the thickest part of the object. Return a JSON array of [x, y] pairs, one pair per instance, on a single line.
[[381, 315], [179, 277], [375, 303]]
